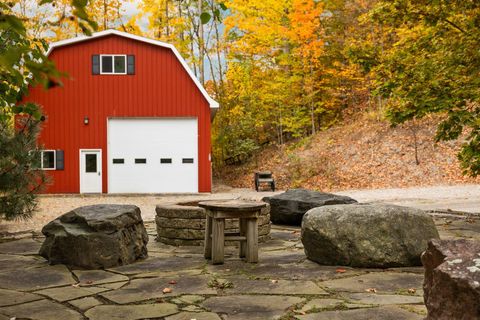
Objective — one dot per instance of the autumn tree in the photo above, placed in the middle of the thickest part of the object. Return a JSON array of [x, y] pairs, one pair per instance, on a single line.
[[276, 77], [22, 64], [432, 67]]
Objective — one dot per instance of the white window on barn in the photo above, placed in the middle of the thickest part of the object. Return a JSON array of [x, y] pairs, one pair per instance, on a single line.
[[48, 159], [113, 64]]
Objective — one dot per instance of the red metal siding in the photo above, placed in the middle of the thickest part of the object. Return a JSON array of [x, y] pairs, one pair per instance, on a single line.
[[160, 88]]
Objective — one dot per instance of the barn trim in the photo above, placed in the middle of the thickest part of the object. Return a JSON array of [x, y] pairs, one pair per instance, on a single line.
[[213, 104]]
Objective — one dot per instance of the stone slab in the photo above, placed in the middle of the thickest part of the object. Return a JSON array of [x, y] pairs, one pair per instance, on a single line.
[[36, 278], [416, 308], [22, 246], [95, 277], [160, 264], [41, 310], [11, 261], [194, 315], [251, 307], [62, 294], [192, 308], [132, 312], [168, 274], [384, 299], [328, 304], [285, 287], [147, 289], [85, 303], [10, 297], [113, 285], [190, 299], [383, 282], [387, 312]]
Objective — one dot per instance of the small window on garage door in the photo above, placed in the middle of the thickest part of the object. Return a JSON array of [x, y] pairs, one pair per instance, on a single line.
[[187, 160], [165, 160]]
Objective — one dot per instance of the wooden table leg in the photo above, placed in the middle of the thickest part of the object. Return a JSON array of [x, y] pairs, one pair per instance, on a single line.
[[218, 241], [252, 240], [208, 239], [243, 231]]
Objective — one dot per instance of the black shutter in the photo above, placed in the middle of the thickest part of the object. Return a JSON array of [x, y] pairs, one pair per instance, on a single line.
[[130, 64], [96, 64], [59, 159]]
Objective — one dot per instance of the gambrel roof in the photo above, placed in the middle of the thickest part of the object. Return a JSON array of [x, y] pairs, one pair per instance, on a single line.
[[213, 103]]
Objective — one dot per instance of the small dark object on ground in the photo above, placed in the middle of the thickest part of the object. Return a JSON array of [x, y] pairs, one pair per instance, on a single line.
[[264, 177]]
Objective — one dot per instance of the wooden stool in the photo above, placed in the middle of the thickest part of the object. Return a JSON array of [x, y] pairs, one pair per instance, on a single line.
[[217, 211]]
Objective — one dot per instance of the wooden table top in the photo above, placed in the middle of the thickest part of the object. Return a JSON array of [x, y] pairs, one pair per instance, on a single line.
[[232, 205]]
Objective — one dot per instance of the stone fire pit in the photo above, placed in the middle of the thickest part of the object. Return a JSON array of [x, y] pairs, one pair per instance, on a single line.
[[183, 224]]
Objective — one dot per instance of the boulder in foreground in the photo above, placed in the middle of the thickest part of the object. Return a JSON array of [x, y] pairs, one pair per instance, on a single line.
[[97, 236], [367, 235], [452, 279], [289, 207]]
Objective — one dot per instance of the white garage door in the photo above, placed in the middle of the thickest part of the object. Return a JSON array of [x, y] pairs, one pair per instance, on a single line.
[[152, 155]]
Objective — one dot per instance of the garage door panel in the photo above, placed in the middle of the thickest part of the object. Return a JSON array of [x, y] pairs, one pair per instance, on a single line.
[[153, 139]]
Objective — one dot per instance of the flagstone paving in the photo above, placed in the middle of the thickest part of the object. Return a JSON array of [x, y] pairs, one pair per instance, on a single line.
[[177, 283]]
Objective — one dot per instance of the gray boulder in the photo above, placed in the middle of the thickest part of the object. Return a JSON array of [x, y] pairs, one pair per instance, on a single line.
[[452, 279], [289, 207], [98, 236], [367, 235]]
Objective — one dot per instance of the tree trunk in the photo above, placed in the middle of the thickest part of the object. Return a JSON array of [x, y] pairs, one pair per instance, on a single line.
[[167, 28], [200, 44]]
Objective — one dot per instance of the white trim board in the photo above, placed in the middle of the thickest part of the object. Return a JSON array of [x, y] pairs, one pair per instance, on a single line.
[[213, 103]]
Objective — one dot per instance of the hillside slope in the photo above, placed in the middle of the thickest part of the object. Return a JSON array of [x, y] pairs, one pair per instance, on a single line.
[[363, 154]]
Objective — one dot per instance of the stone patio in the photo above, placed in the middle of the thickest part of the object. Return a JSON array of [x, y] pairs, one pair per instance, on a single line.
[[176, 283]]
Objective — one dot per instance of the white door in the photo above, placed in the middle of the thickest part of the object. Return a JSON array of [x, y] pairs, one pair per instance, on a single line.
[[90, 171], [153, 155]]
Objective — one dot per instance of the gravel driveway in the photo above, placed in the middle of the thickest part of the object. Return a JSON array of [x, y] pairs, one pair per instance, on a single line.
[[458, 198], [464, 198]]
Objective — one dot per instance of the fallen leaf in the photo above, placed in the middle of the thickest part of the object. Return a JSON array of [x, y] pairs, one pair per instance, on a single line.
[[172, 282], [372, 290], [274, 281], [412, 290], [340, 270], [76, 285], [89, 282], [167, 290]]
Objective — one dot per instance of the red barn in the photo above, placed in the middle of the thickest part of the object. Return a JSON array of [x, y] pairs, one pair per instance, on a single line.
[[131, 117]]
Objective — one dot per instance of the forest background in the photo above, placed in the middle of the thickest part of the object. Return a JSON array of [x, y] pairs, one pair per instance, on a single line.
[[285, 71]]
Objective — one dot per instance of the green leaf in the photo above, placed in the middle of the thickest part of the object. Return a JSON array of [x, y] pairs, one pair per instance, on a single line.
[[216, 14], [79, 3], [15, 23], [81, 13], [223, 6], [42, 2], [205, 17]]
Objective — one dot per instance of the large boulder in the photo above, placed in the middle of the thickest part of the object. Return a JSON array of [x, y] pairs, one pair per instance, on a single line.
[[98, 236], [289, 207], [367, 235], [452, 279]]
